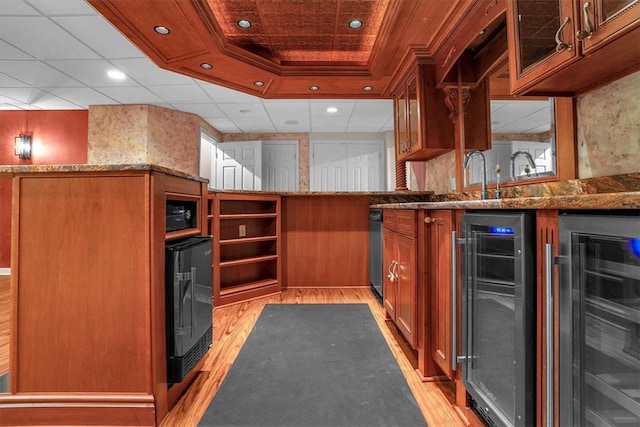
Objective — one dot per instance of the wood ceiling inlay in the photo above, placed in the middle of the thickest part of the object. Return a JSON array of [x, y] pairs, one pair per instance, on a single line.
[[292, 45], [302, 31]]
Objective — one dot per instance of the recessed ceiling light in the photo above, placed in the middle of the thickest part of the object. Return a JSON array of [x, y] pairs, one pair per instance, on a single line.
[[483, 31], [355, 24], [116, 75], [206, 66], [367, 88], [332, 110], [244, 23], [161, 30], [314, 87], [258, 83]]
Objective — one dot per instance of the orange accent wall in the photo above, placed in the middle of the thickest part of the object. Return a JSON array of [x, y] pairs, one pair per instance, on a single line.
[[58, 137]]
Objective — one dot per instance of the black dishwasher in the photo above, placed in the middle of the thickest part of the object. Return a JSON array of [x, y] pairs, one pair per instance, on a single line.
[[375, 252]]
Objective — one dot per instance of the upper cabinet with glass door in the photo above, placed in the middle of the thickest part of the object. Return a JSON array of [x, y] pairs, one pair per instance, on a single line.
[[423, 129], [565, 47]]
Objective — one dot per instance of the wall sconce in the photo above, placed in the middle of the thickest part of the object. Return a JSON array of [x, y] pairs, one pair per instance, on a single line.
[[22, 146]]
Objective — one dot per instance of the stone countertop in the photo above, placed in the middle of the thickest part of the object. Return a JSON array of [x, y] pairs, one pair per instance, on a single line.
[[621, 200], [7, 171]]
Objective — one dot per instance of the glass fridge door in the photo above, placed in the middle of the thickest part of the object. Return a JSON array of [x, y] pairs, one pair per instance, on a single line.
[[497, 308], [599, 313], [606, 325]]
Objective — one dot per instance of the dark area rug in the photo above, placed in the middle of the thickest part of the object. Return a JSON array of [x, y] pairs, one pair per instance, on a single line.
[[315, 365]]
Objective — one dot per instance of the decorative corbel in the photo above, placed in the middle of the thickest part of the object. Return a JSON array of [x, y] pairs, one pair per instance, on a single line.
[[451, 100]]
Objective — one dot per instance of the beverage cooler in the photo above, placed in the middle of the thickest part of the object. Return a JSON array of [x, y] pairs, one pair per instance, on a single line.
[[498, 309], [599, 320], [189, 304]]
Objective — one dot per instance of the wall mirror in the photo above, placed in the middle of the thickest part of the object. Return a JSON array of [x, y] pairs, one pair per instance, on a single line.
[[532, 138], [522, 142]]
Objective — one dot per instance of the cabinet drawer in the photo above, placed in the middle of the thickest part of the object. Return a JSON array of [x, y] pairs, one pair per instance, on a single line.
[[406, 222]]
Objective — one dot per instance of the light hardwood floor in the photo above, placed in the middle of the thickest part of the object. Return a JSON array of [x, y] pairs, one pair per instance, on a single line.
[[232, 325]]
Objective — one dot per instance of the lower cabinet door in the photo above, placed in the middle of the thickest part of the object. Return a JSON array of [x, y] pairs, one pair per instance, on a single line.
[[389, 282], [440, 266], [406, 287]]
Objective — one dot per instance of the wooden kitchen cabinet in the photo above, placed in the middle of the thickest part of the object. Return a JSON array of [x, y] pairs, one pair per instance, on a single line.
[[567, 46], [423, 129], [246, 242], [400, 285], [440, 327]]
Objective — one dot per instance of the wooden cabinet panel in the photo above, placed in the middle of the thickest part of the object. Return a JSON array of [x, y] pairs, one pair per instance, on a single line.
[[423, 130], [406, 287], [440, 269], [566, 47], [400, 256], [389, 283]]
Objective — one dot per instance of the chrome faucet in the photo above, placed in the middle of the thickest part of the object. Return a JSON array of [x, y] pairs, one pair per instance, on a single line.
[[483, 194], [529, 159]]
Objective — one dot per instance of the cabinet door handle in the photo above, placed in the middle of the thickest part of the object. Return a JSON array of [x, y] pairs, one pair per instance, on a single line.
[[390, 272], [586, 32], [561, 45], [548, 272]]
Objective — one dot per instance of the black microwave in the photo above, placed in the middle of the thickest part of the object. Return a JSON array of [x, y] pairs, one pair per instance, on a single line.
[[181, 215]]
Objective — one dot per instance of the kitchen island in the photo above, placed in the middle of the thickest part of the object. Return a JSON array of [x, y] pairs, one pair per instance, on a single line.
[[88, 331]]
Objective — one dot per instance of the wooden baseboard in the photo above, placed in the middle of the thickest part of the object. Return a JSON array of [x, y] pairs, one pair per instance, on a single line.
[[68, 409]]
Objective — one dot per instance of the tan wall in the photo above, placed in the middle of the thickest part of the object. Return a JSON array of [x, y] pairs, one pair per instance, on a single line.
[[144, 134], [609, 129]]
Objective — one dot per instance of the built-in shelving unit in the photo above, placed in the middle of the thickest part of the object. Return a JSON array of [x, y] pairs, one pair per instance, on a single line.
[[246, 235]]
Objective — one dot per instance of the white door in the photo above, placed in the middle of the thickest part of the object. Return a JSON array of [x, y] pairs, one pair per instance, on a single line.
[[239, 165], [364, 167], [328, 167], [208, 158], [280, 166]]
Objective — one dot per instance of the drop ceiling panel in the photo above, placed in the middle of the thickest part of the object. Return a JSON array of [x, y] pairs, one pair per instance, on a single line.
[[63, 7], [143, 70], [30, 32], [92, 29], [131, 95], [191, 93], [81, 96], [37, 73]]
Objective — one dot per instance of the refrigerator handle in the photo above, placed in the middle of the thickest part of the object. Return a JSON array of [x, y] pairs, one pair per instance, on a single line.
[[193, 301], [549, 262], [454, 300]]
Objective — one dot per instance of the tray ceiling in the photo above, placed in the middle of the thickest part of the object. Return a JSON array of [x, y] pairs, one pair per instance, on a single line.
[[292, 48]]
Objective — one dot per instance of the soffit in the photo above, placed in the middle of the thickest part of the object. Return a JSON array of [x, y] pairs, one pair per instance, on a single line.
[[291, 45]]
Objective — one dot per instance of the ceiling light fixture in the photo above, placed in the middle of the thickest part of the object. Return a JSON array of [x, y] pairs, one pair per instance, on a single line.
[[244, 23], [291, 122], [314, 87], [258, 83], [355, 24], [206, 66], [332, 110], [116, 75], [161, 30], [367, 88]]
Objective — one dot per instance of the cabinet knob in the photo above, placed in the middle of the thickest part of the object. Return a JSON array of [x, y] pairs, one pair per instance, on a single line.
[[429, 220]]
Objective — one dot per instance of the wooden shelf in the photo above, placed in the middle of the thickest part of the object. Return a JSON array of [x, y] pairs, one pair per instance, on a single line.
[[249, 216], [247, 240], [248, 260], [247, 286], [179, 234], [246, 235]]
